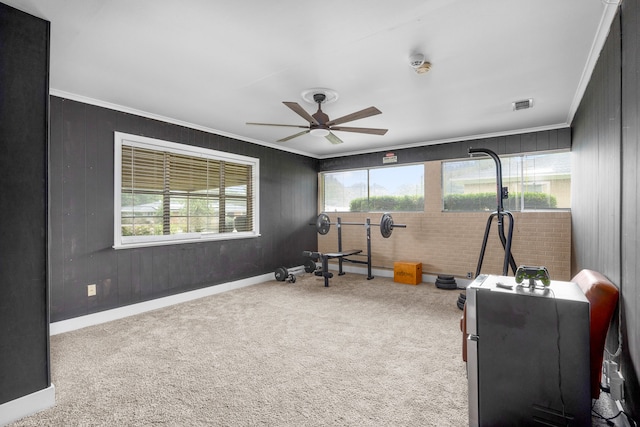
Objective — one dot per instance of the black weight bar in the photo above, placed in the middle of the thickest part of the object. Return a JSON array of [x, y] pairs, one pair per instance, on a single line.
[[323, 224]]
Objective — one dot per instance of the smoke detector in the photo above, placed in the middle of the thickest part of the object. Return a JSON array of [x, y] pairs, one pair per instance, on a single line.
[[417, 62]]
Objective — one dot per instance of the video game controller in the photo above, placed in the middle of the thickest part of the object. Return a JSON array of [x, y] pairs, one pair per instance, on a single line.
[[533, 274]]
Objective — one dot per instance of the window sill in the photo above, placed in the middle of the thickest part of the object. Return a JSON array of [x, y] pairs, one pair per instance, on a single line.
[[177, 241]]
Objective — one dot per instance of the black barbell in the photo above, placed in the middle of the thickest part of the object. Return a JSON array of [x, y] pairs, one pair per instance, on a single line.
[[323, 224]]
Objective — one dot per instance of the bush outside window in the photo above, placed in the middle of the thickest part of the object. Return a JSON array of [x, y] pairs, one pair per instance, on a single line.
[[167, 193], [385, 189], [535, 182]]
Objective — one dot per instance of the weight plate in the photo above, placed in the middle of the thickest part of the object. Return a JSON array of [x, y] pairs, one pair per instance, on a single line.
[[323, 223], [446, 285], [309, 266], [281, 274], [386, 225]]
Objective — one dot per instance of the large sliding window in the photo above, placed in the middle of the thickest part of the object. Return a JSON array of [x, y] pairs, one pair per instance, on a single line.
[[535, 181], [385, 189], [167, 193]]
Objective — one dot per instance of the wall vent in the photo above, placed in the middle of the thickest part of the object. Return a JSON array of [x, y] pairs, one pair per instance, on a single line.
[[522, 105]]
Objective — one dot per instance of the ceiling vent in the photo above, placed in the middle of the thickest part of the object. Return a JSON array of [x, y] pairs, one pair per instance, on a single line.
[[522, 105]]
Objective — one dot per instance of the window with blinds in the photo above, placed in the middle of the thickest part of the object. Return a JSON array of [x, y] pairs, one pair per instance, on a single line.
[[171, 193]]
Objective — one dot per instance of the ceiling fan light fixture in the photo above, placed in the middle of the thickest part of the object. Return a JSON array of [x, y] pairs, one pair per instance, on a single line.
[[320, 132], [319, 124]]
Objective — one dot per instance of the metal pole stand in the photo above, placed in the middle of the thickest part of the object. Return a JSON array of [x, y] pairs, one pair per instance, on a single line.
[[500, 213]]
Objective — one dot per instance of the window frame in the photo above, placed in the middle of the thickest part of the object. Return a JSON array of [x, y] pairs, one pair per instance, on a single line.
[[137, 141]]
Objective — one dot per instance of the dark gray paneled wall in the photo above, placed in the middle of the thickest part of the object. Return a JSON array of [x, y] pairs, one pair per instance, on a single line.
[[596, 173], [81, 173], [606, 132], [630, 233], [24, 88], [504, 145]]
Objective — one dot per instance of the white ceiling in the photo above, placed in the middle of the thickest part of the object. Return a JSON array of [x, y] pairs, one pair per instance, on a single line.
[[216, 64]]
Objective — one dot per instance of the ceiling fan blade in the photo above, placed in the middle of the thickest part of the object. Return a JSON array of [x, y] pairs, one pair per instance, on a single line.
[[293, 136], [333, 139], [367, 112], [274, 124], [371, 131], [301, 112]]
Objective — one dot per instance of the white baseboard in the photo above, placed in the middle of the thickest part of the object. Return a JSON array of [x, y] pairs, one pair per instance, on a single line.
[[142, 307], [27, 405]]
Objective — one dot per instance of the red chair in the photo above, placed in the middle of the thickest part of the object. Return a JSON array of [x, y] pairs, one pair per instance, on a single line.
[[603, 298]]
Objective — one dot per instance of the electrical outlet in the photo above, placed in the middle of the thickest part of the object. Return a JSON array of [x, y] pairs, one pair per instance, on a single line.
[[91, 290], [469, 275]]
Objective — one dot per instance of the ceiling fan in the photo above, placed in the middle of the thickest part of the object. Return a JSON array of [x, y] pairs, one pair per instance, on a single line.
[[320, 125]]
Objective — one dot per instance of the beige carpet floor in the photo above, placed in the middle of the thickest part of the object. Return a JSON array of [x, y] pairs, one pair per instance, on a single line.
[[359, 353]]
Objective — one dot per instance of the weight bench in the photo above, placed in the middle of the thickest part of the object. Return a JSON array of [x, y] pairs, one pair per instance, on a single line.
[[325, 260]]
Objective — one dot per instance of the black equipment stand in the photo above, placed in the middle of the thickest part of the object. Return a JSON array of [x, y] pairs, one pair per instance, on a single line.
[[500, 213], [342, 255], [367, 226], [323, 224]]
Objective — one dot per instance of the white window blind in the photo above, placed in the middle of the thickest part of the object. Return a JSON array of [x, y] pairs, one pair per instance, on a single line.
[[167, 193]]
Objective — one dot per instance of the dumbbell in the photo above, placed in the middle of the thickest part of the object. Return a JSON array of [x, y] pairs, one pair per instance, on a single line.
[[282, 273]]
